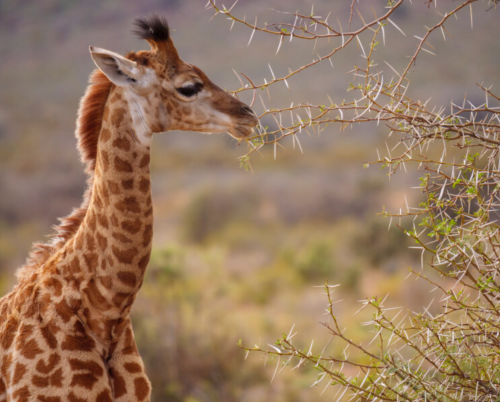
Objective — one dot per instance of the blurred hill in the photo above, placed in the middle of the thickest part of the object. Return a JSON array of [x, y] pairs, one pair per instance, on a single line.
[[226, 240]]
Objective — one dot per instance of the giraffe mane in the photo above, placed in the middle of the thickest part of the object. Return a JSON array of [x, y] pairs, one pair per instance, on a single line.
[[88, 128]]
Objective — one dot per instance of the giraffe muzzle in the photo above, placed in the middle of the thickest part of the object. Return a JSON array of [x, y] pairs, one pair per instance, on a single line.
[[246, 123]]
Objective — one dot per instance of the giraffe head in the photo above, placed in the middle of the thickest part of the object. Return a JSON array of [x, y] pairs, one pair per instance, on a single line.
[[167, 93]]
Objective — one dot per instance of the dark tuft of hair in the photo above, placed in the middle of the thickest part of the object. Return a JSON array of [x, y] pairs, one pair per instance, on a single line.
[[154, 27]]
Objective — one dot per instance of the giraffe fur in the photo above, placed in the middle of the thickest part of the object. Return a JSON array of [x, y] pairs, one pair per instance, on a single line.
[[65, 328]]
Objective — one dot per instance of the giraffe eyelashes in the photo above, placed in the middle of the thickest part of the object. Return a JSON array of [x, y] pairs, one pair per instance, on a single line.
[[190, 90]]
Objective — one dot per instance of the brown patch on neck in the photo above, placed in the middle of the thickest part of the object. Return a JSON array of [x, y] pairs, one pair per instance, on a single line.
[[88, 128]]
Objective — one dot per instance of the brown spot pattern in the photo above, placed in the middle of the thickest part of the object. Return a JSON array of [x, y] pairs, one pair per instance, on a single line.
[[125, 256], [113, 187], [55, 285], [132, 227], [102, 220], [144, 161], [102, 241], [73, 398], [105, 135], [122, 143], [90, 241], [29, 349], [19, 372], [91, 220], [119, 298], [78, 342], [106, 281], [121, 238], [133, 368], [22, 394], [104, 396], [91, 366], [86, 380], [128, 204], [119, 385], [40, 382], [122, 165], [142, 388], [57, 378], [6, 363], [46, 367], [127, 278], [144, 185], [64, 311], [91, 259], [7, 336], [75, 265], [95, 297], [49, 337], [117, 116], [128, 184]]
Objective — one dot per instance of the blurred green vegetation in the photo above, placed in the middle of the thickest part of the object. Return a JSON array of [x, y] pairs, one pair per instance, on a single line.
[[247, 281]]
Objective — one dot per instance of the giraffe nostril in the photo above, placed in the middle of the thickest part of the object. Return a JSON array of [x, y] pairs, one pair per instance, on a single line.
[[247, 109]]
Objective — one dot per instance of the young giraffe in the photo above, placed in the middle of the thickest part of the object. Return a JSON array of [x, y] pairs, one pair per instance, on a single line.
[[65, 330]]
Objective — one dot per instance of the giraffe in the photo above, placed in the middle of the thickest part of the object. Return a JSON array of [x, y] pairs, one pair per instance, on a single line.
[[65, 329]]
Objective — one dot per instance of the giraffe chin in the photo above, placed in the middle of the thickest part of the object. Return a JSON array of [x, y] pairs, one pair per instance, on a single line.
[[242, 131]]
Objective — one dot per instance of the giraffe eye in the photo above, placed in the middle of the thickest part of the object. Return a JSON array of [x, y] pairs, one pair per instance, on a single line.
[[190, 90]]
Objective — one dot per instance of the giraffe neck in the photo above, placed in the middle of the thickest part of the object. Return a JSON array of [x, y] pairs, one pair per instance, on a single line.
[[112, 246]]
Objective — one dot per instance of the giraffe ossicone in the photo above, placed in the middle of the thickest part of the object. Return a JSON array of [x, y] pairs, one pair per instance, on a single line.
[[65, 330]]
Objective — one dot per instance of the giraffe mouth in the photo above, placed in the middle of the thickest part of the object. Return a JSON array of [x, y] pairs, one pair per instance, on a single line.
[[242, 131]]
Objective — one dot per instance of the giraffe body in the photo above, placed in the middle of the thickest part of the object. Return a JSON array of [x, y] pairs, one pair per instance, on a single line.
[[65, 330]]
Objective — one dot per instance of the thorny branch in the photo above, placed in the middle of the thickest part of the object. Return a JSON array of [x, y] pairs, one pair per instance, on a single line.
[[452, 355]]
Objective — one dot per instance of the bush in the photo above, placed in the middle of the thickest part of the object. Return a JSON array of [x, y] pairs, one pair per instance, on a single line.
[[212, 209], [444, 353]]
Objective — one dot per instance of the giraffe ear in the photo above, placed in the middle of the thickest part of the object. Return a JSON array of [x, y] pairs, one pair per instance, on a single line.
[[118, 69]]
